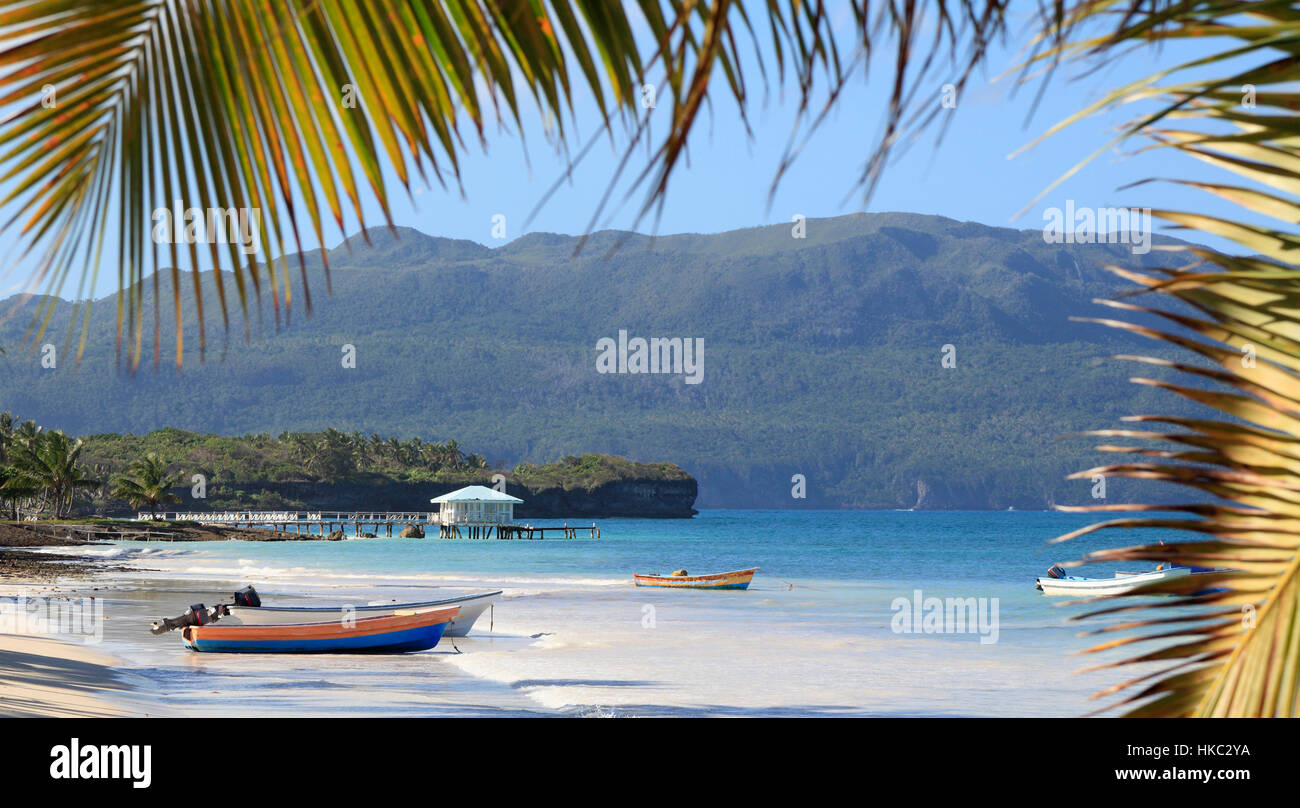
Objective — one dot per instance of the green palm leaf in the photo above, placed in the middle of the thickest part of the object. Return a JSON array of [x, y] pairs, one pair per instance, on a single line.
[[248, 105], [49, 463], [147, 484]]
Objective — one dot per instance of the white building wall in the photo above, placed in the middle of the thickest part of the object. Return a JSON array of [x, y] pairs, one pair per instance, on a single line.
[[476, 513]]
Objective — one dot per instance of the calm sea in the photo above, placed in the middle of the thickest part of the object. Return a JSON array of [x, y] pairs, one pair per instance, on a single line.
[[818, 633]]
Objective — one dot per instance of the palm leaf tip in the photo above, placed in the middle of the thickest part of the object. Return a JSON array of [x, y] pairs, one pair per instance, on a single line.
[[1235, 630], [304, 110]]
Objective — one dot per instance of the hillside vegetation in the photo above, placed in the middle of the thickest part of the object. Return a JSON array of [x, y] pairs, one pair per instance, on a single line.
[[822, 357], [332, 469]]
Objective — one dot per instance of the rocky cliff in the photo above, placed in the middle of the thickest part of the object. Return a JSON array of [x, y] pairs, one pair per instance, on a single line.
[[639, 498]]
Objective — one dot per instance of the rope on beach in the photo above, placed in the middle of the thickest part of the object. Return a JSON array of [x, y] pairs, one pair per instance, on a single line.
[[801, 586], [787, 583]]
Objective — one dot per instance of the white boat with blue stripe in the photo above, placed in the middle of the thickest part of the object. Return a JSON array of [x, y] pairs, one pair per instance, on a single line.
[[1056, 582]]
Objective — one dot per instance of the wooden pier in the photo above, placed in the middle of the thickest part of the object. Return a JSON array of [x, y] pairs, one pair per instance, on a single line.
[[514, 531], [325, 523]]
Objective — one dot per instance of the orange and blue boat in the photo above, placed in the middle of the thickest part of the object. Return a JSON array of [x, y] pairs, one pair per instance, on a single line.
[[723, 580], [398, 633]]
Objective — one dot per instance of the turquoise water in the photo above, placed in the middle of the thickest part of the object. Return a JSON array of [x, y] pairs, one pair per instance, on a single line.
[[814, 635], [980, 546]]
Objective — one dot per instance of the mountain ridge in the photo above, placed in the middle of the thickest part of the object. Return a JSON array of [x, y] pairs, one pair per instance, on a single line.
[[822, 357]]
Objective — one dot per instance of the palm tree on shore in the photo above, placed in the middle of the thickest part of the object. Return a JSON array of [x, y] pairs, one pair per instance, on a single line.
[[51, 464], [295, 108], [452, 456], [15, 488], [147, 484]]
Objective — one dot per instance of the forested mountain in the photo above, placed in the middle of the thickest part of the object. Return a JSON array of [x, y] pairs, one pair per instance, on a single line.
[[822, 356]]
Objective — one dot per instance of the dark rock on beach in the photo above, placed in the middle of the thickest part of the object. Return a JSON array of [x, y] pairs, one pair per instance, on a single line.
[[44, 567], [35, 535], [41, 567], [412, 532]]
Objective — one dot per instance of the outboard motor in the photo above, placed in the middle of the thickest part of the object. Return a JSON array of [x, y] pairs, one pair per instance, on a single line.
[[1055, 571], [196, 616], [199, 615]]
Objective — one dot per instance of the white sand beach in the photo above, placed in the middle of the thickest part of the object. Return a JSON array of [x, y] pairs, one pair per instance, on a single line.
[[572, 635]]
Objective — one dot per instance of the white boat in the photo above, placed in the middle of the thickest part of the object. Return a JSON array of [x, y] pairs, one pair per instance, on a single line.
[[471, 606], [1121, 583]]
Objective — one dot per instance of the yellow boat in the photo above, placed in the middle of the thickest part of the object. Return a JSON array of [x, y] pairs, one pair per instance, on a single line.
[[723, 580]]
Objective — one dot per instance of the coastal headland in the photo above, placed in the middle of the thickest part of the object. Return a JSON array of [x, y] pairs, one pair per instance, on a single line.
[[334, 470]]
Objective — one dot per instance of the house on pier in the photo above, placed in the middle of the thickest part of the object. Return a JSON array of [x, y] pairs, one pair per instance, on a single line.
[[476, 506]]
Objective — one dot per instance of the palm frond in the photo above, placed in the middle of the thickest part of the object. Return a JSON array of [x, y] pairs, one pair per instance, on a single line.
[[296, 109], [1234, 633]]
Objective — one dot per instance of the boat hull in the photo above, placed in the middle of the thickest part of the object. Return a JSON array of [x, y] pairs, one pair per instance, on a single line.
[[1089, 587], [724, 580], [392, 634], [471, 608]]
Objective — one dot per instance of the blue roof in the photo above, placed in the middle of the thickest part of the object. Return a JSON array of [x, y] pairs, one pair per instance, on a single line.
[[476, 493]]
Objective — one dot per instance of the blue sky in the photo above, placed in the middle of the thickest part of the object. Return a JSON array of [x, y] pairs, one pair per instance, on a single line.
[[726, 183], [967, 176]]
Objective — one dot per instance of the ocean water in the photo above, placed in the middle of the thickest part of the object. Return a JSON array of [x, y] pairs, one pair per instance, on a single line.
[[819, 631]]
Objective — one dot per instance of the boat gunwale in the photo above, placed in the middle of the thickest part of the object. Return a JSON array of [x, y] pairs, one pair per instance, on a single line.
[[235, 610]]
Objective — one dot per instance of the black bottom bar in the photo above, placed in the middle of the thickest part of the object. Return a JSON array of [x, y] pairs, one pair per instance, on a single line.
[[1039, 760]]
